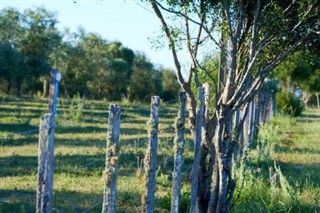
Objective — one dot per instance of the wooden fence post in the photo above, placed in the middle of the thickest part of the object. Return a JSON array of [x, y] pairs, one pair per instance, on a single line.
[[45, 164], [256, 123], [112, 152], [196, 161], [178, 152], [46, 150], [53, 90], [150, 159]]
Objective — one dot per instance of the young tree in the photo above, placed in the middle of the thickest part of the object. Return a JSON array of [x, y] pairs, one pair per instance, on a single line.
[[253, 38]]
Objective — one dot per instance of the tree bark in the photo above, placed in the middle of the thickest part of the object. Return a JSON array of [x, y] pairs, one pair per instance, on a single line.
[[45, 88], [8, 87], [206, 150], [197, 143], [19, 87]]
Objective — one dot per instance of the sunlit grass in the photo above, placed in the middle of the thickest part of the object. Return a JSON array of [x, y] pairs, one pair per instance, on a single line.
[[293, 144]]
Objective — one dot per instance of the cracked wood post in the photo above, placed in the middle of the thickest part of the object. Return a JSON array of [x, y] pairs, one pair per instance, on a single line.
[[196, 161], [45, 164], [150, 159], [178, 152], [112, 152], [46, 151]]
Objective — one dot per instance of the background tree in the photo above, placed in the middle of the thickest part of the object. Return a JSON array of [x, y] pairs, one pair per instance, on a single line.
[[91, 66], [301, 70], [145, 80], [32, 36], [170, 86], [11, 31]]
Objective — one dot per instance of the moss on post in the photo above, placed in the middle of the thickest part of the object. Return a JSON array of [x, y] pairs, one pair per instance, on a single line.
[[150, 159], [178, 152]]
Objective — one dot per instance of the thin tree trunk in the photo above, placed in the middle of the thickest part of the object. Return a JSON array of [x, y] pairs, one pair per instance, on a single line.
[[221, 157], [150, 160], [45, 88], [19, 87], [318, 103], [207, 149], [178, 156], [110, 173], [215, 190], [196, 161], [9, 87]]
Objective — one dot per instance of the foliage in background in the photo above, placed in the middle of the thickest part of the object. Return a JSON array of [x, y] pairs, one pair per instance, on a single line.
[[90, 65], [301, 70], [289, 104]]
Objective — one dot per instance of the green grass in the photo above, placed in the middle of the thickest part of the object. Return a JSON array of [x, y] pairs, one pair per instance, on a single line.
[[80, 142], [292, 145], [80, 151]]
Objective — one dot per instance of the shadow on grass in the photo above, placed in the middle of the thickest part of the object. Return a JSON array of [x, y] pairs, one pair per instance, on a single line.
[[76, 129], [16, 128], [36, 112], [20, 201], [287, 149], [71, 164]]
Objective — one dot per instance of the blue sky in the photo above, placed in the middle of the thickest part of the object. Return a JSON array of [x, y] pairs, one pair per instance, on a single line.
[[128, 21]]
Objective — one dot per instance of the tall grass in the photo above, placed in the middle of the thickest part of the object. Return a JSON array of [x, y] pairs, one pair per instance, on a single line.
[[281, 173]]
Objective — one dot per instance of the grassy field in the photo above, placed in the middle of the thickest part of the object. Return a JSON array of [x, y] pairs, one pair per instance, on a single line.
[[292, 145]]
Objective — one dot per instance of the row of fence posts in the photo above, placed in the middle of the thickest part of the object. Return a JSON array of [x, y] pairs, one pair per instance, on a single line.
[[109, 177]]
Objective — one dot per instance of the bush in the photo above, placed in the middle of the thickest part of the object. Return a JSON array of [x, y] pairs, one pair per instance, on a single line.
[[288, 104]]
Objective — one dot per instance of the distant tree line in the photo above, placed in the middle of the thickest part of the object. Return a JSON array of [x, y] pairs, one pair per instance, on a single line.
[[91, 66]]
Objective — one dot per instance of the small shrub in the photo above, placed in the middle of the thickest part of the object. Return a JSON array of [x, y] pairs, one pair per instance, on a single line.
[[288, 104], [76, 109]]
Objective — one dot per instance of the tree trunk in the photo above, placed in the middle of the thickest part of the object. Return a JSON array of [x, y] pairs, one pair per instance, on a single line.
[[45, 88], [197, 143], [318, 104], [206, 150], [8, 87], [19, 87], [305, 98]]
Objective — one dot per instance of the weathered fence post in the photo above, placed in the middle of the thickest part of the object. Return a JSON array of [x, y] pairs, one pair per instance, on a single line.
[[45, 164], [53, 90], [150, 159], [178, 152], [46, 150], [111, 170], [256, 123], [196, 161]]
